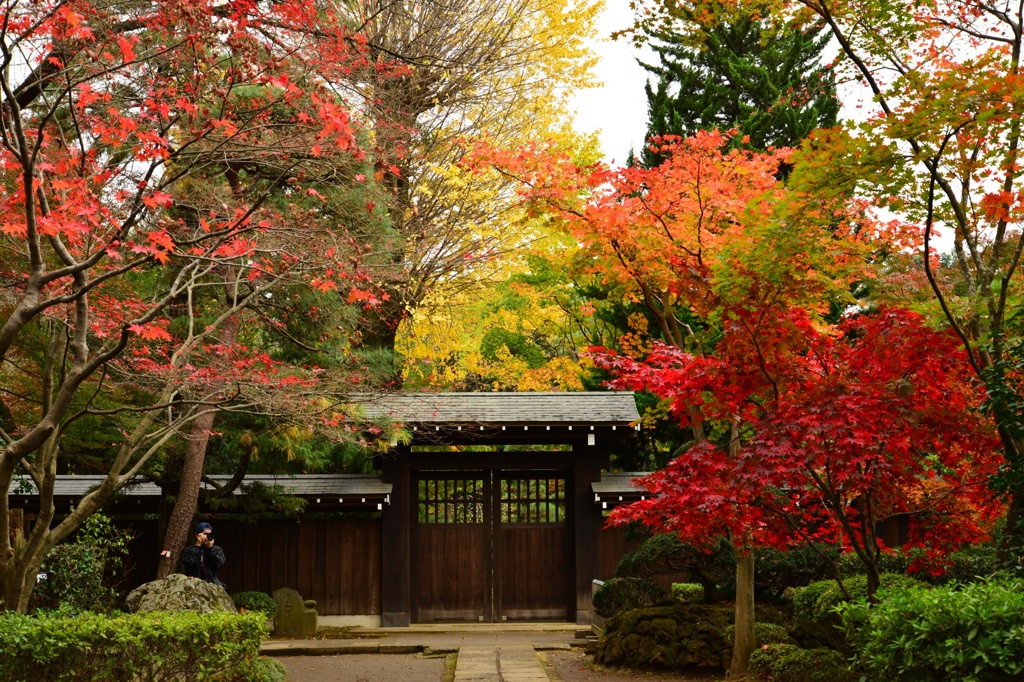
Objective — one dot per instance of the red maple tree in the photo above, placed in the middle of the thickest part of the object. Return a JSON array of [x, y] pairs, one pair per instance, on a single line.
[[842, 431], [151, 152]]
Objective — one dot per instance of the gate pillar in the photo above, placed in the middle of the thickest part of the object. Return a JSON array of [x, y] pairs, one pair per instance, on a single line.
[[588, 522], [396, 519]]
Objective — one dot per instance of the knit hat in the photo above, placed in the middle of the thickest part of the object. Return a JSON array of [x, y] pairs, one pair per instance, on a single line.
[[203, 527]]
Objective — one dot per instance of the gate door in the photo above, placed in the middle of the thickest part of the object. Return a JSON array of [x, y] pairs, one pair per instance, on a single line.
[[533, 546], [492, 546], [452, 568]]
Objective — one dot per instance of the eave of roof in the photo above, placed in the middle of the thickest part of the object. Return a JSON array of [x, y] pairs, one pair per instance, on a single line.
[[360, 486], [618, 488]]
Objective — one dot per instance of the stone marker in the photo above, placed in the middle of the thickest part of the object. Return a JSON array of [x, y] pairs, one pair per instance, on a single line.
[[178, 592], [295, 618]]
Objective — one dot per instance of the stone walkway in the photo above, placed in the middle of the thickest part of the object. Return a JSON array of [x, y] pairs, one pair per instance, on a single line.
[[491, 653]]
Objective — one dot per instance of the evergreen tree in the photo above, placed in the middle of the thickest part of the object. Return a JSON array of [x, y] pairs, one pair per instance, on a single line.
[[769, 83]]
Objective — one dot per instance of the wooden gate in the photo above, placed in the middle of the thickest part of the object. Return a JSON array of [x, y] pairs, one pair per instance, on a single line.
[[492, 546]]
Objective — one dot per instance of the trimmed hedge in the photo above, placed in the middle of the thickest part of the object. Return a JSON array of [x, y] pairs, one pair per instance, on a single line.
[[973, 633], [141, 646], [691, 593], [256, 601], [789, 663], [621, 594]]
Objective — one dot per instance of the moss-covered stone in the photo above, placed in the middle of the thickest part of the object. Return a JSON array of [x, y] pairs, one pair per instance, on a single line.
[[668, 637]]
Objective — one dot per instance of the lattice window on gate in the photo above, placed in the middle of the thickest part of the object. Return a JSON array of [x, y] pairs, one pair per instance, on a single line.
[[458, 500], [533, 500]]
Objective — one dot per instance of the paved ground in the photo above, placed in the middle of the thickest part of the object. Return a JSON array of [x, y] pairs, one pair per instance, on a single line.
[[365, 668], [485, 653]]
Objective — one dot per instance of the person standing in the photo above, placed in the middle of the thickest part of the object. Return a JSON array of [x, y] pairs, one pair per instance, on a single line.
[[203, 559]]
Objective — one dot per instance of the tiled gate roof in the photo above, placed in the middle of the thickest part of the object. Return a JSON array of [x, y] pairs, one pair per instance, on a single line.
[[606, 407]]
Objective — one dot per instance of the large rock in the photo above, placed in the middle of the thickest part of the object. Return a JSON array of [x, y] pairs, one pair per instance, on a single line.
[[178, 592]]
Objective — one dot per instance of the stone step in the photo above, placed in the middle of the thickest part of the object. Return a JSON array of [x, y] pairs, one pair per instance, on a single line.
[[517, 663]]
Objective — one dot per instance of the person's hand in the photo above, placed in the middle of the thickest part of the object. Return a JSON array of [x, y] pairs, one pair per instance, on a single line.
[[201, 539]]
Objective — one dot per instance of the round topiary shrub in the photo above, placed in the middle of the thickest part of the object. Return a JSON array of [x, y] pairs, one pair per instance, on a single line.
[[792, 664], [621, 594], [266, 669], [256, 601]]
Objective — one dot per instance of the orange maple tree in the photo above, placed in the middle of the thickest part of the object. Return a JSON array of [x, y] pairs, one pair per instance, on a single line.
[[787, 448]]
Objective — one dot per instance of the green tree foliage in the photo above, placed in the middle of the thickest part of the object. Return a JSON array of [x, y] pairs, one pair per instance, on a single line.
[[766, 81]]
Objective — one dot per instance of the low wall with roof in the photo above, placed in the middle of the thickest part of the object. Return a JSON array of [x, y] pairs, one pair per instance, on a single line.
[[334, 561]]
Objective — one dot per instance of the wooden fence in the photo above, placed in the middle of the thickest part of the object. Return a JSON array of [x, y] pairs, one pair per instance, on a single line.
[[335, 562], [614, 546]]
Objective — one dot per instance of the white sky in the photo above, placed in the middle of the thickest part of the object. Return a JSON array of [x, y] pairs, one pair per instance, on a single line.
[[619, 108]]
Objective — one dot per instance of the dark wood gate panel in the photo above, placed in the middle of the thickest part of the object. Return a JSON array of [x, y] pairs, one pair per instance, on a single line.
[[451, 574], [491, 545], [533, 546]]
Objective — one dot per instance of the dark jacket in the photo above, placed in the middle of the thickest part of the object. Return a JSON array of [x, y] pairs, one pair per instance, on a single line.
[[203, 562]]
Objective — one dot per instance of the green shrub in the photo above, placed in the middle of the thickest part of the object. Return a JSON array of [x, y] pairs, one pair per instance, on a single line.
[[789, 663], [266, 669], [764, 634], [666, 553], [966, 565], [75, 569], [777, 570], [256, 601], [150, 646], [973, 633], [692, 593], [667, 637], [620, 594], [815, 620]]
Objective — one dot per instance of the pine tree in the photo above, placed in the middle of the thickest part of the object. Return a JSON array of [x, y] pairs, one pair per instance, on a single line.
[[768, 83]]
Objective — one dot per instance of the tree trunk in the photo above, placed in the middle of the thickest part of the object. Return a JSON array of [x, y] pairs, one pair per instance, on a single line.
[[1011, 546], [188, 493], [745, 641], [180, 524], [16, 523]]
